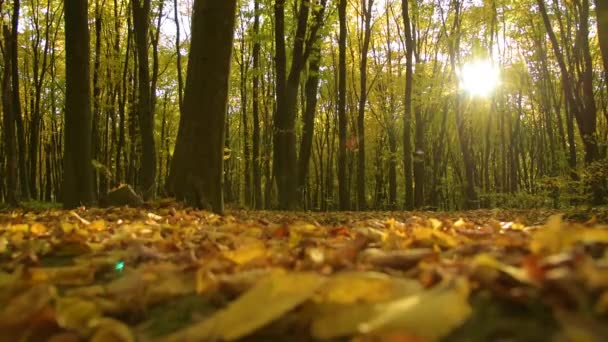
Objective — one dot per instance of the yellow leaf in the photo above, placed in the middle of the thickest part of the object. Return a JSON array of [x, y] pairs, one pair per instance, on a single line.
[[76, 314], [435, 223], [38, 229], [205, 281], [19, 228], [429, 314], [271, 298], [434, 237], [486, 260], [68, 275], [68, 227], [246, 253], [357, 287], [3, 244], [98, 225], [111, 330]]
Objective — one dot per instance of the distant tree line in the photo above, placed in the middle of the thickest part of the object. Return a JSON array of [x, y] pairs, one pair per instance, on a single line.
[[304, 104]]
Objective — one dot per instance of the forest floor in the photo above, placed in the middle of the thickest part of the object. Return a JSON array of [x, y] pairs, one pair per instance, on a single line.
[[164, 273]]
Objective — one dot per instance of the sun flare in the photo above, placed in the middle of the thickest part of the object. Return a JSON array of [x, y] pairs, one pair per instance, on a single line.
[[479, 78]]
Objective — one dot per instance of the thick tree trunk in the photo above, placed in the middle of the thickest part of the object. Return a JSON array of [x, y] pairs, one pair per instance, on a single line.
[[78, 171], [197, 169], [285, 158], [141, 22], [311, 89], [342, 180], [8, 124]]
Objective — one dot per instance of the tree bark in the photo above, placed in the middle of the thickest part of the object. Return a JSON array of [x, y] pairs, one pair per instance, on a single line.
[[285, 158], [197, 169], [583, 110], [145, 112], [10, 143], [16, 102], [342, 180], [407, 115], [78, 171], [95, 140], [601, 9], [180, 77], [257, 175], [310, 89], [367, 19]]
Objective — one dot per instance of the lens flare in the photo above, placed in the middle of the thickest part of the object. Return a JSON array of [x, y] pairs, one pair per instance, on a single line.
[[479, 78]]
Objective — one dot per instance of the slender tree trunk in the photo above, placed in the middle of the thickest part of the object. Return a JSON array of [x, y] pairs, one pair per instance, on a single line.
[[78, 172], [95, 141], [197, 169], [587, 120], [407, 116], [257, 177], [581, 110], [178, 60], [16, 102], [390, 118], [342, 122], [367, 19], [141, 21], [155, 61], [244, 71], [601, 9], [470, 194], [122, 108]]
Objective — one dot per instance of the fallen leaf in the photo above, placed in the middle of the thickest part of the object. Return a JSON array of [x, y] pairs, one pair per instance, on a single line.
[[276, 294]]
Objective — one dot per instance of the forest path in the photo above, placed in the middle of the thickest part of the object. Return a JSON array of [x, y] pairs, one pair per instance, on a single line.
[[171, 274]]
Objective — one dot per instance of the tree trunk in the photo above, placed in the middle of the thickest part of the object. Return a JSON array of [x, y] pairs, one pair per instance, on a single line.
[[180, 77], [390, 118], [257, 176], [8, 124], [601, 9], [311, 89], [342, 122], [407, 115], [78, 171], [95, 141], [244, 70], [285, 158], [141, 22], [583, 110], [367, 19], [16, 101], [197, 169]]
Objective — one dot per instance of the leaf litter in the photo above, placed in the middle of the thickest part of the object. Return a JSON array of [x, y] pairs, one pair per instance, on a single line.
[[165, 273]]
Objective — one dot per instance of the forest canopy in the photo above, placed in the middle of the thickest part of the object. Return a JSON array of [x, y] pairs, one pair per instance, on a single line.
[[331, 104]]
